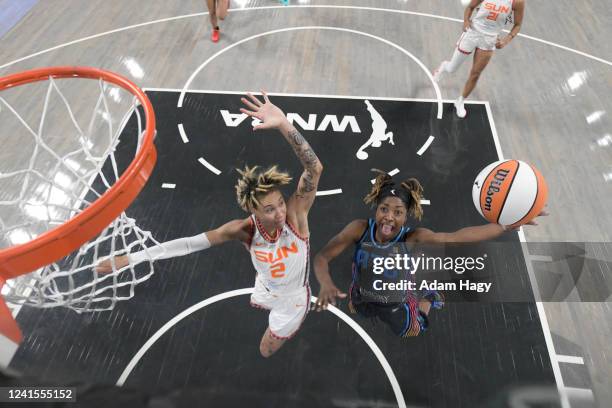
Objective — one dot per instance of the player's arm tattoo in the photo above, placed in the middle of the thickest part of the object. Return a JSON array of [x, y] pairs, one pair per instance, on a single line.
[[309, 160]]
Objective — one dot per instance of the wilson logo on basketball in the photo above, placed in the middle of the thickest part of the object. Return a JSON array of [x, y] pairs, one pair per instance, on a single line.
[[509, 192], [277, 268], [494, 187]]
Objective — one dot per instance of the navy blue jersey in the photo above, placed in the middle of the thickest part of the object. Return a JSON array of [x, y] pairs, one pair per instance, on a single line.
[[370, 278]]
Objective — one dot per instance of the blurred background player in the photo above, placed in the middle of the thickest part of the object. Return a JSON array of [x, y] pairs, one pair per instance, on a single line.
[[276, 233], [481, 37], [217, 9]]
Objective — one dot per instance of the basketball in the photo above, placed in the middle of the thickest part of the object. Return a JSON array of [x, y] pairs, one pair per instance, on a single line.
[[509, 192]]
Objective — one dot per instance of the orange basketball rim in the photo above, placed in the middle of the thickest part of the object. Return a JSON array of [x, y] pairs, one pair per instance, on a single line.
[[64, 239]]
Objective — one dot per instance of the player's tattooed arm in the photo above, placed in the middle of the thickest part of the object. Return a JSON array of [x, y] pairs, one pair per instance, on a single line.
[[309, 180], [273, 117]]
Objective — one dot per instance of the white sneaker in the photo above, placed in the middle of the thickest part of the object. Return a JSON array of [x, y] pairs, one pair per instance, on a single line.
[[460, 109], [437, 74]]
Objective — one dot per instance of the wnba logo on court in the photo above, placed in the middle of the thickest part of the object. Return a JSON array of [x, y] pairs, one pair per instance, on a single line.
[[277, 268], [494, 187], [312, 123]]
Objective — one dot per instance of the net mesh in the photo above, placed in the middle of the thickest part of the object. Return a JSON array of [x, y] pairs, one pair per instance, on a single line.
[[54, 171]]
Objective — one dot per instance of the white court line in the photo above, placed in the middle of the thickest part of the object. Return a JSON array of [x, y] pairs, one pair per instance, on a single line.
[[583, 394], [534, 285], [391, 173], [500, 155], [570, 359], [209, 166], [329, 192], [8, 348], [168, 185], [426, 145], [541, 258], [406, 12], [182, 133], [305, 95], [246, 291], [346, 30]]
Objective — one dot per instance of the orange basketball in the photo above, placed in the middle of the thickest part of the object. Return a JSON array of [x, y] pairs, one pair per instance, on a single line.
[[509, 192]]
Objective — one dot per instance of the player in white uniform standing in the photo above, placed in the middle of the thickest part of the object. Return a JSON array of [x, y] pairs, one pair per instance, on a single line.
[[481, 37], [276, 233]]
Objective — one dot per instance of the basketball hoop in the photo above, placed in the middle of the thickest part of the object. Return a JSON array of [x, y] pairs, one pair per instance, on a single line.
[[66, 211]]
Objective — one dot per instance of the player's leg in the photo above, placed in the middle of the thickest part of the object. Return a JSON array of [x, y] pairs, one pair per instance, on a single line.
[[270, 344], [481, 59], [404, 320], [222, 6], [465, 47], [286, 316], [212, 14], [411, 318], [431, 298]]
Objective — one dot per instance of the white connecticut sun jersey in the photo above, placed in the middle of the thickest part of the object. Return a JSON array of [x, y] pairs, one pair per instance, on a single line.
[[282, 263], [491, 16]]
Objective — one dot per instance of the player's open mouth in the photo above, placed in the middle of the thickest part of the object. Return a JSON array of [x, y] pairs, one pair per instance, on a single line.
[[386, 229]]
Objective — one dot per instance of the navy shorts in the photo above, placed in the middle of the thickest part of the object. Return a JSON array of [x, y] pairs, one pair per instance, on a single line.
[[404, 319]]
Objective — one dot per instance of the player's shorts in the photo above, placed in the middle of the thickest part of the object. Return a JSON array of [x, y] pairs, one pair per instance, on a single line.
[[287, 310], [404, 319], [472, 39]]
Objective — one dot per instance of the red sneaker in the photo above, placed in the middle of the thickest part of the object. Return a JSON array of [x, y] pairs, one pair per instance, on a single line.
[[215, 35]]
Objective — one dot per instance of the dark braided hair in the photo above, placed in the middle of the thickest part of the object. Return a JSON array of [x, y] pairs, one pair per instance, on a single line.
[[384, 184]]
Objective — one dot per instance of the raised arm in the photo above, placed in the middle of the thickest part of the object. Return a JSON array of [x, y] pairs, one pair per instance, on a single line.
[[273, 118], [304, 196], [347, 237], [233, 230], [467, 234]]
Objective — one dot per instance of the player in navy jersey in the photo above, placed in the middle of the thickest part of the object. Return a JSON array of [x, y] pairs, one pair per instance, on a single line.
[[386, 235]]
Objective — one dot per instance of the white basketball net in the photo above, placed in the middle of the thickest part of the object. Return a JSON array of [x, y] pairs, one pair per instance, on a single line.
[[53, 173]]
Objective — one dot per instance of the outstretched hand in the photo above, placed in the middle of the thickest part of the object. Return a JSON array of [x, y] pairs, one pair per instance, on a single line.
[[543, 213], [327, 295], [268, 113]]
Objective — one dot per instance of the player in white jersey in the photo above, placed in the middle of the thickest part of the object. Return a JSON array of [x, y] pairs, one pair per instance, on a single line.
[[483, 21], [276, 233]]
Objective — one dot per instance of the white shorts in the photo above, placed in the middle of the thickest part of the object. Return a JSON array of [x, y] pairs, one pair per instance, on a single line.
[[287, 310], [472, 39]]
